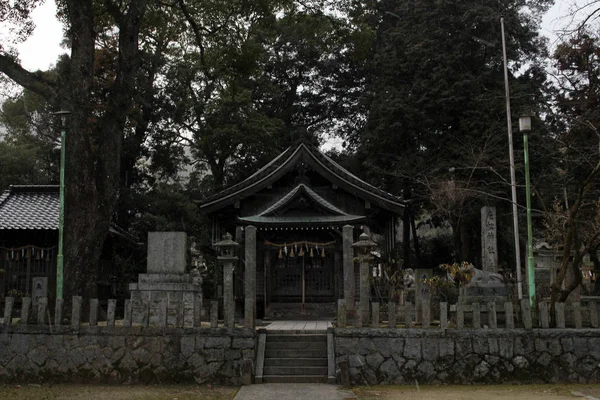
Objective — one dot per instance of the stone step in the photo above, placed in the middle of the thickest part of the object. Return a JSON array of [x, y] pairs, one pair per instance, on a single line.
[[314, 338], [280, 370], [296, 362], [294, 378], [322, 346], [294, 353], [296, 331]]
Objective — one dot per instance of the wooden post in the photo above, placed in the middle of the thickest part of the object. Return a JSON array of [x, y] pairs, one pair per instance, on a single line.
[[375, 317], [492, 315], [460, 316], [426, 312], [476, 307], [8, 309], [197, 312], [559, 309], [593, 314], [93, 312], [544, 316], [526, 314], [509, 315], [576, 307], [76, 311], [214, 313], [341, 315], [408, 310], [392, 314], [110, 312], [41, 312], [25, 310], [127, 313], [58, 311], [444, 315]]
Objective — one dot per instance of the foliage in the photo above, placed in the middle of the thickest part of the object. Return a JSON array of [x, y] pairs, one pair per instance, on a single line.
[[572, 221], [435, 122]]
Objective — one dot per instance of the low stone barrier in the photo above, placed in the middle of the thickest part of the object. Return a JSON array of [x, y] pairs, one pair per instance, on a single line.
[[397, 356], [30, 353]]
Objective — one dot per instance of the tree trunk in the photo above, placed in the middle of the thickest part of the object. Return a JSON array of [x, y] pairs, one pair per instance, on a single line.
[[86, 224]]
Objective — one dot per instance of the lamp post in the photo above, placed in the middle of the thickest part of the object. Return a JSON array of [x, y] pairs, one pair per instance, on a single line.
[[363, 252], [525, 127], [227, 247], [61, 219]]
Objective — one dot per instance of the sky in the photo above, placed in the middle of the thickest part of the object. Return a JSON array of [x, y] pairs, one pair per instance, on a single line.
[[41, 50]]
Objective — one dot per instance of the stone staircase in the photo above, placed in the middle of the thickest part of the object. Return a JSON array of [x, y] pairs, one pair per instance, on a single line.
[[295, 357]]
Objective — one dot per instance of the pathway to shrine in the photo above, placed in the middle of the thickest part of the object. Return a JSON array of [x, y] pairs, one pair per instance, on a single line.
[[298, 326]]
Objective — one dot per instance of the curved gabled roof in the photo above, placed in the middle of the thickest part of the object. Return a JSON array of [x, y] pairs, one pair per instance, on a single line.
[[319, 162], [277, 213]]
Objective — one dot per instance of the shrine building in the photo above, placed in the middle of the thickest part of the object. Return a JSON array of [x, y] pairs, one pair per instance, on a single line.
[[296, 220]]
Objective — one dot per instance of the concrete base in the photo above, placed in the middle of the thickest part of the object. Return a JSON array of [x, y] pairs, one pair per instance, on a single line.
[[177, 289]]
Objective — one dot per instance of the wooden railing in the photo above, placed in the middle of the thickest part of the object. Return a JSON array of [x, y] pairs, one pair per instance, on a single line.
[[472, 316], [157, 315]]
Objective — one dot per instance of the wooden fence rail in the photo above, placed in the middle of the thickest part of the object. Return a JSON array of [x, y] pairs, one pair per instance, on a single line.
[[158, 315], [477, 316]]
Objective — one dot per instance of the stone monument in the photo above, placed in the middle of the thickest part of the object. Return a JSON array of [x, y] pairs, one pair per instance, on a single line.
[[166, 280], [489, 246], [40, 289]]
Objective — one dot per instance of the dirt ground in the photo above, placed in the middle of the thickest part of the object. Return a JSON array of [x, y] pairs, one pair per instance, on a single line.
[[207, 392], [500, 392], [99, 392]]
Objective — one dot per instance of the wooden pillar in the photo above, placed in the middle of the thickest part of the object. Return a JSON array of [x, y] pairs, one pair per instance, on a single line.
[[348, 261], [250, 278]]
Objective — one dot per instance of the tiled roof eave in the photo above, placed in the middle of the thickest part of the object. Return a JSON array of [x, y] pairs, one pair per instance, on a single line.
[[257, 181]]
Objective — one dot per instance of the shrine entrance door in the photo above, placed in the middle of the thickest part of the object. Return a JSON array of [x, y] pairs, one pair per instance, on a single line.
[[302, 279]]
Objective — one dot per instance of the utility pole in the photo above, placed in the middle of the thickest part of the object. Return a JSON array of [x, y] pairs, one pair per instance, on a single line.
[[513, 184]]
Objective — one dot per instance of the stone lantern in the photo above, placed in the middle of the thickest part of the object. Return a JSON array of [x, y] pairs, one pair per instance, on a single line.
[[226, 249], [363, 253]]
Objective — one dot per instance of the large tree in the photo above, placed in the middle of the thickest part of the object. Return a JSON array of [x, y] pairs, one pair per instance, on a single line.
[[95, 134], [574, 222], [436, 122]]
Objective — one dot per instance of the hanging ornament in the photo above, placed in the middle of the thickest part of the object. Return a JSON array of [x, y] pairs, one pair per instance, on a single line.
[[280, 254], [323, 252], [311, 252], [285, 249], [301, 252], [292, 252]]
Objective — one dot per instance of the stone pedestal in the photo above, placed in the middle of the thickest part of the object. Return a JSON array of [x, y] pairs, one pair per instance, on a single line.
[[166, 281]]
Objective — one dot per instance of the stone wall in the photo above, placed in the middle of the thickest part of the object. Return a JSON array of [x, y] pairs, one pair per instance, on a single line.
[[397, 356], [30, 353]]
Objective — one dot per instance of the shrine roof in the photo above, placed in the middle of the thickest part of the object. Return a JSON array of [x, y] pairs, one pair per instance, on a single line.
[[319, 162], [302, 194], [37, 207]]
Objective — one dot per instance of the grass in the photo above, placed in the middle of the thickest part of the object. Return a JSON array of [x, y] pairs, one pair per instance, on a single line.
[[106, 392]]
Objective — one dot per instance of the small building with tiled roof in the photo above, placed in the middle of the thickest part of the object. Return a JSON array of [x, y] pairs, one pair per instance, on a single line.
[[29, 219], [303, 211]]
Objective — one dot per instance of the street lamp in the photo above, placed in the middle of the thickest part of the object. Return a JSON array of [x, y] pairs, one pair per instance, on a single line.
[[61, 219], [525, 127]]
